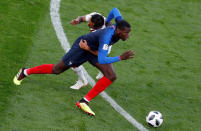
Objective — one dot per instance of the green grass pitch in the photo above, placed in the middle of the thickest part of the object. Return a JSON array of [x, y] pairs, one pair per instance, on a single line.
[[165, 74]]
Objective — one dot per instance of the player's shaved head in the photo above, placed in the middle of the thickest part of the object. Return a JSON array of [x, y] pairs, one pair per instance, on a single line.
[[123, 29], [123, 24]]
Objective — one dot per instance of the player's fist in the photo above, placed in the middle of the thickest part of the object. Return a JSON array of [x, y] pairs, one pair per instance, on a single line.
[[127, 55], [75, 21]]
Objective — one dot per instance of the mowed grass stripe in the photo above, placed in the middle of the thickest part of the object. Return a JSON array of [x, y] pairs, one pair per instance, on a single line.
[[19, 21]]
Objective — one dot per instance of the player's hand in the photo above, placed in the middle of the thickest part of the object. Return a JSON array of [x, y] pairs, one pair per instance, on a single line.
[[75, 22], [83, 44], [127, 55]]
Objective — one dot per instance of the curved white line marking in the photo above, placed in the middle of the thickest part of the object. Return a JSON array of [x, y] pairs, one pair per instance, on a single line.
[[55, 17]]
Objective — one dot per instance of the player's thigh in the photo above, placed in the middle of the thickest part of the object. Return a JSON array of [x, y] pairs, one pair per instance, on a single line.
[[107, 70]]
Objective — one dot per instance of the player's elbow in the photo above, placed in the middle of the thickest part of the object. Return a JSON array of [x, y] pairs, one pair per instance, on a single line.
[[114, 9]]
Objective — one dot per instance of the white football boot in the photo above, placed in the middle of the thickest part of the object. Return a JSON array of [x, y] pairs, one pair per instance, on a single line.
[[82, 80]]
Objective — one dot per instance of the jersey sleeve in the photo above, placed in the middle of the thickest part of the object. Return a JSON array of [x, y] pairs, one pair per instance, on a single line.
[[114, 13], [104, 41]]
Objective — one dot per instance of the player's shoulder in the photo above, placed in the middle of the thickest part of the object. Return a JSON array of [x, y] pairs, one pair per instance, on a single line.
[[107, 32], [111, 28]]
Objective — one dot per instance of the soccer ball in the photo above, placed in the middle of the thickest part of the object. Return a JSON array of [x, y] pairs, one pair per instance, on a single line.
[[154, 118]]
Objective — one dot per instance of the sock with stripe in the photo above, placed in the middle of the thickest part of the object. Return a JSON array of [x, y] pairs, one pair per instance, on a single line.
[[41, 69]]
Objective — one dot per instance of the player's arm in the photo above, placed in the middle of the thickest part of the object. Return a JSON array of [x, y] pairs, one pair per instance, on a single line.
[[83, 44], [78, 20], [103, 56], [114, 13], [104, 41], [104, 48], [104, 59], [81, 19]]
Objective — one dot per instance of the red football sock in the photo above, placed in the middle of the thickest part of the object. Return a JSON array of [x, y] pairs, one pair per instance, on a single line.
[[100, 86], [41, 69]]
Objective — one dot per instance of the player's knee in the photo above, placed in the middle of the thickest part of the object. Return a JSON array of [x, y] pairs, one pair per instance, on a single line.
[[56, 71], [113, 77]]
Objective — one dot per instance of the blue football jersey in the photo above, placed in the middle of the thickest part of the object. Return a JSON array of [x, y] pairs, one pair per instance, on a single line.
[[103, 38]]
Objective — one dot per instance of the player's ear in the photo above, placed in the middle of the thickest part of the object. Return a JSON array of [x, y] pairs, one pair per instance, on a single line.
[[92, 24], [118, 31]]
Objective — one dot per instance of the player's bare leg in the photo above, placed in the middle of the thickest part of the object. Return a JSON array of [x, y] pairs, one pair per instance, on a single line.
[[41, 69], [100, 74]]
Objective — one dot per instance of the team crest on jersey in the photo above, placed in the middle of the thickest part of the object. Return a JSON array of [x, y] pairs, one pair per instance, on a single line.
[[105, 47]]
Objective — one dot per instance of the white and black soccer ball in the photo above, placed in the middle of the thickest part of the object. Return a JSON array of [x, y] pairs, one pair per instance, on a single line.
[[154, 118]]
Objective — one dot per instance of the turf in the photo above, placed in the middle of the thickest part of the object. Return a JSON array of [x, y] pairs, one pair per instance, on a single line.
[[17, 28], [165, 74]]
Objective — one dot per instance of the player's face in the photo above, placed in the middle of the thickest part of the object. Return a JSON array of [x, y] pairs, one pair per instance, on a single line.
[[124, 34], [90, 24]]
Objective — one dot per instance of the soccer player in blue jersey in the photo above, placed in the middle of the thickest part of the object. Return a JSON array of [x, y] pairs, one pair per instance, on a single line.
[[98, 42], [95, 21]]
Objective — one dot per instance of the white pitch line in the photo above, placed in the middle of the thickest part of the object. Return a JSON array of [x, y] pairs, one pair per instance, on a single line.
[[55, 17]]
